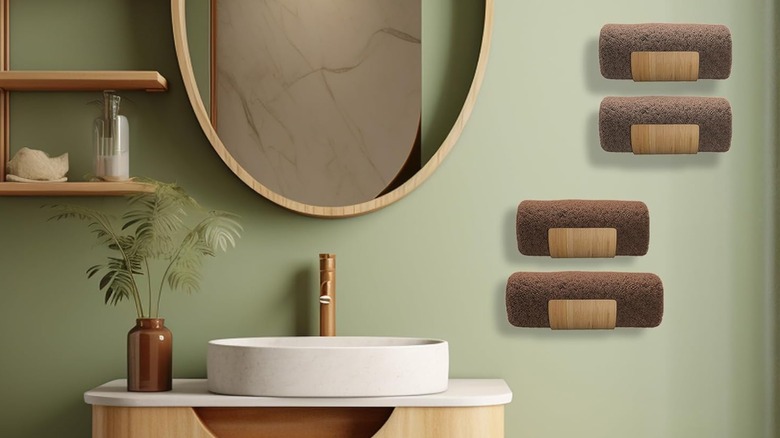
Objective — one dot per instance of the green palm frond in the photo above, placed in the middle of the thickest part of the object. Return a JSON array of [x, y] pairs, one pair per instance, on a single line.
[[157, 218], [97, 222], [117, 281], [184, 272], [154, 227], [218, 231]]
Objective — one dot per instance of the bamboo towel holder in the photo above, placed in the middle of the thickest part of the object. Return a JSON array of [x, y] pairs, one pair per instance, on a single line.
[[664, 139], [582, 242], [584, 299], [664, 66], [580, 228], [582, 314]]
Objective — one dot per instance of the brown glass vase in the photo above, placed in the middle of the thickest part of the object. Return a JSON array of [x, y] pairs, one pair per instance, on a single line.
[[149, 356]]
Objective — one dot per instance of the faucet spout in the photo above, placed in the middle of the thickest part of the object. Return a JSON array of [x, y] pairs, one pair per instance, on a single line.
[[327, 294]]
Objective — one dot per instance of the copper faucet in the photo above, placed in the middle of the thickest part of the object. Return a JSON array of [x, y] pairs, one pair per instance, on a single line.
[[327, 294]]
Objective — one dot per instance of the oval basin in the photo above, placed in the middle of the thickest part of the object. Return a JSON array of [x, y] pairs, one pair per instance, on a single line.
[[338, 366]]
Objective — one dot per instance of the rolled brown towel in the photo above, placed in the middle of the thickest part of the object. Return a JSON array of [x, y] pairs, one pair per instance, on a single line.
[[639, 296], [711, 41], [711, 114], [631, 219]]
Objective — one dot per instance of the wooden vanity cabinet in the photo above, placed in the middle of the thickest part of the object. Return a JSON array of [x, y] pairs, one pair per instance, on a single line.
[[468, 409]]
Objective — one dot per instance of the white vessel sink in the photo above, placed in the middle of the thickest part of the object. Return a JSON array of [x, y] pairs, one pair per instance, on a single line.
[[336, 366]]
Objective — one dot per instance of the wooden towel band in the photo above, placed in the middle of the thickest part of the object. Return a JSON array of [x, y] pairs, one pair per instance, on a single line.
[[582, 242], [664, 139], [664, 66], [582, 314]]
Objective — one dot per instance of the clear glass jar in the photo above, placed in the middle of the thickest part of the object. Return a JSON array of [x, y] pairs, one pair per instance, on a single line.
[[111, 141]]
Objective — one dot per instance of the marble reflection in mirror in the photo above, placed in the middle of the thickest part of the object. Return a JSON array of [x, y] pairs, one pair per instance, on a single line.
[[454, 46], [319, 100]]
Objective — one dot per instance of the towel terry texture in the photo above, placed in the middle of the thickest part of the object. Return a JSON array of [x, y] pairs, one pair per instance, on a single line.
[[618, 41], [712, 114], [631, 219], [639, 296]]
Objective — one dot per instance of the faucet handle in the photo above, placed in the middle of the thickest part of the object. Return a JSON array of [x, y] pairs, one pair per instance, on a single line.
[[327, 294], [326, 288]]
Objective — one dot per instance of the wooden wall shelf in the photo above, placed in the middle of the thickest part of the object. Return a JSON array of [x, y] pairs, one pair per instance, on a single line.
[[73, 188], [82, 80], [72, 81], [46, 80]]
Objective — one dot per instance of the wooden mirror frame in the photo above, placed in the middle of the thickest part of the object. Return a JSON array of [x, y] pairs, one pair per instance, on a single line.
[[178, 17]]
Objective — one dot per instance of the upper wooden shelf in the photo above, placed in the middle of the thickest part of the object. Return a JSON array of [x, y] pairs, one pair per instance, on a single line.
[[82, 80], [73, 188]]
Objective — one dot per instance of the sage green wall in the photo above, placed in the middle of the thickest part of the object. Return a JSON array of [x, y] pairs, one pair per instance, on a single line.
[[435, 264]]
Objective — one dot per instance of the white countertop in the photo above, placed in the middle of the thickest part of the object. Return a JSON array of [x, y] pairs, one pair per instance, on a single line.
[[194, 393]]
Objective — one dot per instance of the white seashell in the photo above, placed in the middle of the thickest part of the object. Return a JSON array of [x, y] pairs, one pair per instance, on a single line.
[[32, 164]]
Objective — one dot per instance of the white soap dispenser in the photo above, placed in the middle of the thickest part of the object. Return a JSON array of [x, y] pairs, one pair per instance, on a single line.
[[112, 141]]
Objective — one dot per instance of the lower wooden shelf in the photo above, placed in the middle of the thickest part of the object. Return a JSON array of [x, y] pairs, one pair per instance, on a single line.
[[73, 188]]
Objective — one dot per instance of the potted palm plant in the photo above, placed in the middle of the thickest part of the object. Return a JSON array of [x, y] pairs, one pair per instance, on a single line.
[[164, 229]]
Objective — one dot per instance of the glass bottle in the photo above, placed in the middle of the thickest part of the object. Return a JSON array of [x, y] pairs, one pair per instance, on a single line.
[[112, 141]]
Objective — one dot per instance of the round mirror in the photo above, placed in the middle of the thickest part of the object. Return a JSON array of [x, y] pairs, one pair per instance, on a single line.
[[335, 108]]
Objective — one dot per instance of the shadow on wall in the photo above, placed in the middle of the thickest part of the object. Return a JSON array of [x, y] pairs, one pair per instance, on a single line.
[[303, 292], [544, 334], [528, 263], [533, 263], [72, 416], [461, 63], [776, 217], [599, 158], [602, 87]]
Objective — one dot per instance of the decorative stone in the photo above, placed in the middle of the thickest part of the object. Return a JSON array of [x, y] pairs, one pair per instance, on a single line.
[[30, 165]]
